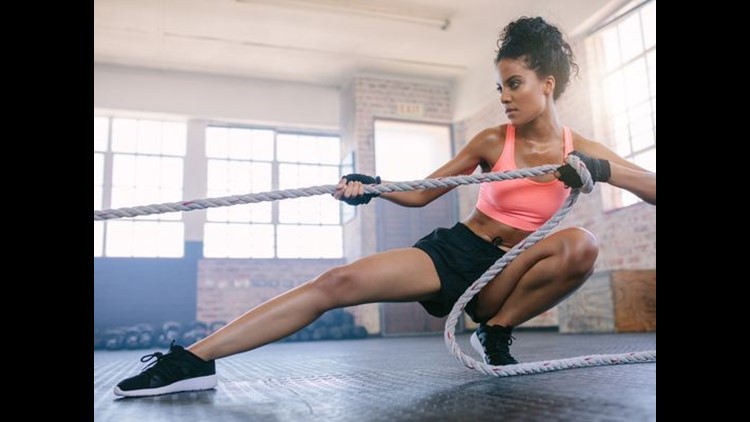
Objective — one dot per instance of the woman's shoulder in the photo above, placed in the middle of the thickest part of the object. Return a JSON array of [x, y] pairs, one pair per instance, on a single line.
[[491, 135], [584, 144]]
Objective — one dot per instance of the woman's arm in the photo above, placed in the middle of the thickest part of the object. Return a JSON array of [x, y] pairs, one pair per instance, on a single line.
[[465, 162], [625, 175]]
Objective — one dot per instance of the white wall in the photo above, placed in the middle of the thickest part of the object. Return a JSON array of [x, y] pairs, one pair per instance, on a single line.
[[208, 97], [474, 91]]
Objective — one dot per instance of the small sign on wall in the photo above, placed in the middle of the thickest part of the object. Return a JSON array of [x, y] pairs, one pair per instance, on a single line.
[[409, 109]]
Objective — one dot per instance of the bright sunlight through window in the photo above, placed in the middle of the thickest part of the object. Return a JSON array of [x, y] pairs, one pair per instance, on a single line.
[[248, 160], [627, 47], [138, 162]]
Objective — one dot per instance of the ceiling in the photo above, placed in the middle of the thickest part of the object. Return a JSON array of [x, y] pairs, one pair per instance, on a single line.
[[319, 41]]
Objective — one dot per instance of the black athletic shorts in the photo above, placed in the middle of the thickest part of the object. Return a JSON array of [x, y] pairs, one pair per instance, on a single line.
[[460, 257]]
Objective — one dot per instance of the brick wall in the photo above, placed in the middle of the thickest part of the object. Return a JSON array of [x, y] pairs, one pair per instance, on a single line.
[[229, 287]]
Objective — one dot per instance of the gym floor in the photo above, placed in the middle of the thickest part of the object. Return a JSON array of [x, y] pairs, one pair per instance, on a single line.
[[396, 379]]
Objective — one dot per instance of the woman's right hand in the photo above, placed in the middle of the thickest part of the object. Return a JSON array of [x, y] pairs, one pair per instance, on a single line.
[[351, 189], [347, 189]]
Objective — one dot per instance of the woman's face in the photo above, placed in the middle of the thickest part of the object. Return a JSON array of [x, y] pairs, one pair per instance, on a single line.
[[523, 95]]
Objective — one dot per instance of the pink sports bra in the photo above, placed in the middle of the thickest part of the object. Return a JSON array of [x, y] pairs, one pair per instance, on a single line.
[[522, 203]]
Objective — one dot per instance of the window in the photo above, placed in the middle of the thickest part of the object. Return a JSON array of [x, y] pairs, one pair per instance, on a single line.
[[138, 162], [101, 135], [627, 51], [248, 160]]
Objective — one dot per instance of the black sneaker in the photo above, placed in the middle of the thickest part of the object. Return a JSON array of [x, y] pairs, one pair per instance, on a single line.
[[492, 342], [178, 370]]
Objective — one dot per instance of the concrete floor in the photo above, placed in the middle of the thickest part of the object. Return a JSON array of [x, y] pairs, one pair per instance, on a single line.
[[396, 379]]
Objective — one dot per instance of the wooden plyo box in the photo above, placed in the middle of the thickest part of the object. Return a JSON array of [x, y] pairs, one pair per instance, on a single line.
[[616, 301]]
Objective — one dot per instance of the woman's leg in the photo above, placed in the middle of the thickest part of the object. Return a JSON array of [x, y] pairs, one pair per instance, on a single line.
[[539, 278], [397, 275]]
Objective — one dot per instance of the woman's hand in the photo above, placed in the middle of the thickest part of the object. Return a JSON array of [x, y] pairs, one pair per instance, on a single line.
[[351, 189], [599, 169]]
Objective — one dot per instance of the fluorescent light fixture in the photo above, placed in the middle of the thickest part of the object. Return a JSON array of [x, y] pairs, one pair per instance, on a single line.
[[384, 9]]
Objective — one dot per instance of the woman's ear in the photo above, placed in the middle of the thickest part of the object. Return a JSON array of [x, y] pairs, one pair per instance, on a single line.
[[549, 85]]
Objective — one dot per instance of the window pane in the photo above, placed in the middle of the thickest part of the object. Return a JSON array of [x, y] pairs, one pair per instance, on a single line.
[[640, 125], [227, 178], [169, 195], [262, 145], [309, 149], [647, 159], [217, 142], [145, 180], [124, 196], [260, 177], [174, 138], [240, 146], [651, 63], [98, 169], [310, 241], [218, 175], [145, 238], [303, 175], [287, 148], [124, 135], [149, 137], [238, 241], [101, 129], [119, 238], [147, 171], [621, 134], [259, 212], [631, 39], [614, 91], [170, 239], [98, 197], [127, 238], [170, 172], [329, 149], [611, 48], [637, 82], [123, 170], [98, 237], [144, 195], [312, 210], [239, 177], [648, 20]]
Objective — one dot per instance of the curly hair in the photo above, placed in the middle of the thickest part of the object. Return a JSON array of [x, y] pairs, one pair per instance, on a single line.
[[542, 46]]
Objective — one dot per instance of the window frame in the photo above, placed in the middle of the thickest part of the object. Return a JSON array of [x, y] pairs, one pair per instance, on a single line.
[[276, 165], [613, 198], [107, 187]]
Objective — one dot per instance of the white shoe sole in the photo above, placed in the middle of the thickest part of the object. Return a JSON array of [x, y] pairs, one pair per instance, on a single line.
[[477, 346], [192, 384]]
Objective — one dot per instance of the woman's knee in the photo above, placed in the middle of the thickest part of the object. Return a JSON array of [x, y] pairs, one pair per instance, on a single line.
[[580, 249], [337, 285]]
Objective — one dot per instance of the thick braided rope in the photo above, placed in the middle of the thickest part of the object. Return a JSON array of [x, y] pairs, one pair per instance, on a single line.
[[541, 366], [226, 201]]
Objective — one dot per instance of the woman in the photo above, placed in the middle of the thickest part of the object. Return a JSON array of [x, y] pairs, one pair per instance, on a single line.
[[534, 64]]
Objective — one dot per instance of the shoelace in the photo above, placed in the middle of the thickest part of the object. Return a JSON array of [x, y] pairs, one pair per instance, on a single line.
[[161, 366], [498, 343]]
